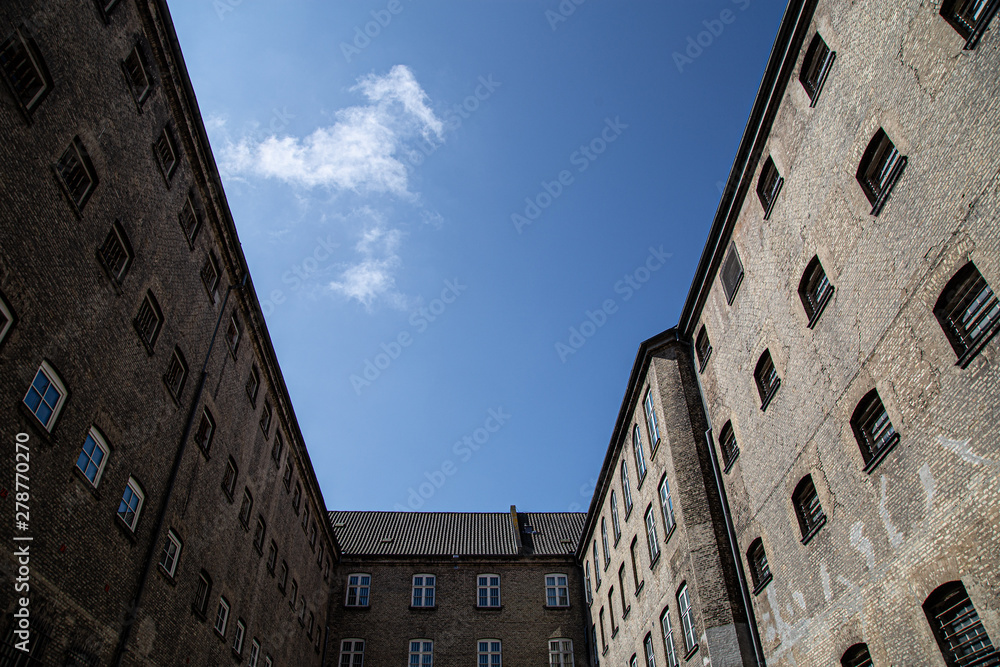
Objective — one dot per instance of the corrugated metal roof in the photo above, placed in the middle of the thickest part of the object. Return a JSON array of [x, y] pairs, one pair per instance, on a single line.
[[453, 533]]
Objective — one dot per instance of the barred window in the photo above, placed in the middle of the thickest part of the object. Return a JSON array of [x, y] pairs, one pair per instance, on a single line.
[[76, 173], [166, 152], [206, 429], [24, 70], [880, 169], [808, 509], [857, 656], [767, 379], [703, 348], [815, 67], [137, 74], [176, 373], [728, 445], [760, 573], [969, 17], [148, 321], [815, 291], [189, 219], [969, 313], [732, 273], [768, 186], [873, 430], [116, 252], [959, 631]]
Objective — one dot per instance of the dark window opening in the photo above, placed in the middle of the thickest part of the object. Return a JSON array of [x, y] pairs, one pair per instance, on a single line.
[[703, 348], [732, 273], [815, 67], [815, 291], [728, 445], [857, 656], [969, 17], [880, 169], [77, 173], [176, 373], [190, 221], [969, 313], [767, 379], [206, 429], [116, 252], [24, 70], [137, 74], [760, 573], [959, 631], [166, 153], [768, 186], [148, 321], [807, 508], [873, 430]]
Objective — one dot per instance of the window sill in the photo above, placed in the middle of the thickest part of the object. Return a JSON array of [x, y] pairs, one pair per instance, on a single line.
[[655, 559], [87, 484], [881, 454], [638, 589], [815, 529], [557, 607], [626, 612], [39, 429], [614, 633], [237, 656], [604, 651], [774, 199], [431, 608], [970, 354], [655, 448], [166, 575], [766, 401], [890, 183], [762, 585], [125, 530], [704, 362], [694, 649], [197, 613], [825, 69], [642, 479], [820, 307], [488, 609], [222, 637], [670, 533], [628, 512], [228, 495], [358, 607]]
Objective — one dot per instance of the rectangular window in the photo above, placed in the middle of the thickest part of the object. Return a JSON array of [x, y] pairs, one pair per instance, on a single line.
[[241, 630], [229, 478], [265, 418], [423, 590], [489, 653], [297, 497], [131, 504], [352, 653], [190, 220], [703, 348], [732, 273], [148, 321], [137, 74], [635, 564], [815, 68], [276, 449], [233, 334], [93, 456], [258, 534], [253, 383], [879, 170], [621, 589], [654, 543], [597, 568], [560, 653], [358, 587], [730, 448], [283, 579], [421, 653], [668, 638], [6, 319], [176, 373], [647, 645], [76, 173], [206, 429], [808, 508], [615, 521], [760, 572], [24, 70], [116, 252], [210, 274], [254, 652], [652, 427], [626, 490], [687, 619], [604, 541], [165, 150], [958, 629], [246, 508], [557, 590], [768, 186], [968, 312], [46, 396], [640, 456], [272, 557], [171, 553], [586, 579], [489, 590], [203, 592], [667, 505]]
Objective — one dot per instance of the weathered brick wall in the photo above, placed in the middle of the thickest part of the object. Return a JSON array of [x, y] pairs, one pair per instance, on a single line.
[[928, 513]]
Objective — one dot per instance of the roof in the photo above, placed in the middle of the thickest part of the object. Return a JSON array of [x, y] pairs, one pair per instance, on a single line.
[[457, 533]]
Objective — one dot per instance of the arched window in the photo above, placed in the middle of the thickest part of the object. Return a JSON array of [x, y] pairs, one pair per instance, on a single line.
[[815, 67], [969, 313], [604, 542], [874, 432], [767, 379], [615, 523], [586, 575], [728, 445], [880, 168], [626, 490], [815, 291], [668, 638], [857, 656], [760, 573], [807, 508], [703, 348], [959, 632], [640, 456], [597, 569]]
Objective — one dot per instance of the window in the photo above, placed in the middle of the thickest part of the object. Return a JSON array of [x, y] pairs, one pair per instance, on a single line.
[[246, 508], [202, 593], [105, 7], [604, 542], [489, 653], [222, 616], [148, 321], [171, 553], [621, 589], [593, 645], [586, 578], [727, 443], [131, 504], [283, 579], [873, 430], [190, 220], [557, 590], [287, 479], [732, 273], [297, 497], [254, 652], [423, 590], [666, 505], [166, 153], [969, 313], [241, 630], [651, 539], [270, 663], [815, 291], [272, 557], [703, 348], [137, 74], [652, 427], [233, 334], [611, 611], [319, 557], [116, 254], [93, 456], [358, 587], [176, 373], [969, 17], [807, 508], [857, 656], [815, 67], [24, 70], [880, 168], [76, 173], [489, 590], [633, 661], [640, 457], [647, 645], [421, 652], [615, 522], [210, 274], [959, 632], [687, 619], [265, 418], [352, 653], [253, 384], [277, 448], [305, 518], [46, 396], [604, 640], [206, 429], [258, 534], [668, 638], [6, 319], [294, 596], [760, 573], [560, 653], [626, 490], [311, 623], [768, 186], [767, 379], [635, 564], [229, 478], [597, 569]]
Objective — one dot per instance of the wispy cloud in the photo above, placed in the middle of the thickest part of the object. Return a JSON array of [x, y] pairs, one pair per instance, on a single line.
[[372, 276], [360, 152]]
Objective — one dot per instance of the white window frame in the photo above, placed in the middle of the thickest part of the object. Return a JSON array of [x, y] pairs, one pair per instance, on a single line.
[[9, 316], [586, 574], [616, 523], [357, 587], [687, 618], [423, 588], [268, 662], [597, 569], [349, 650], [241, 633], [233, 342], [137, 491], [54, 381], [222, 612], [668, 638], [558, 652], [488, 589], [651, 424], [667, 505], [489, 653], [174, 541], [421, 652], [626, 490], [254, 652], [604, 542], [651, 539], [557, 588], [99, 443], [648, 650], [640, 457]]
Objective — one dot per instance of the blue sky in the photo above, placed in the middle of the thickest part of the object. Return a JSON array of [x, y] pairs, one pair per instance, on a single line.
[[434, 196]]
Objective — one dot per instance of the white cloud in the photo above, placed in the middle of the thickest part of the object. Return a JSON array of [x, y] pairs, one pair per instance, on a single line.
[[373, 276], [359, 152]]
